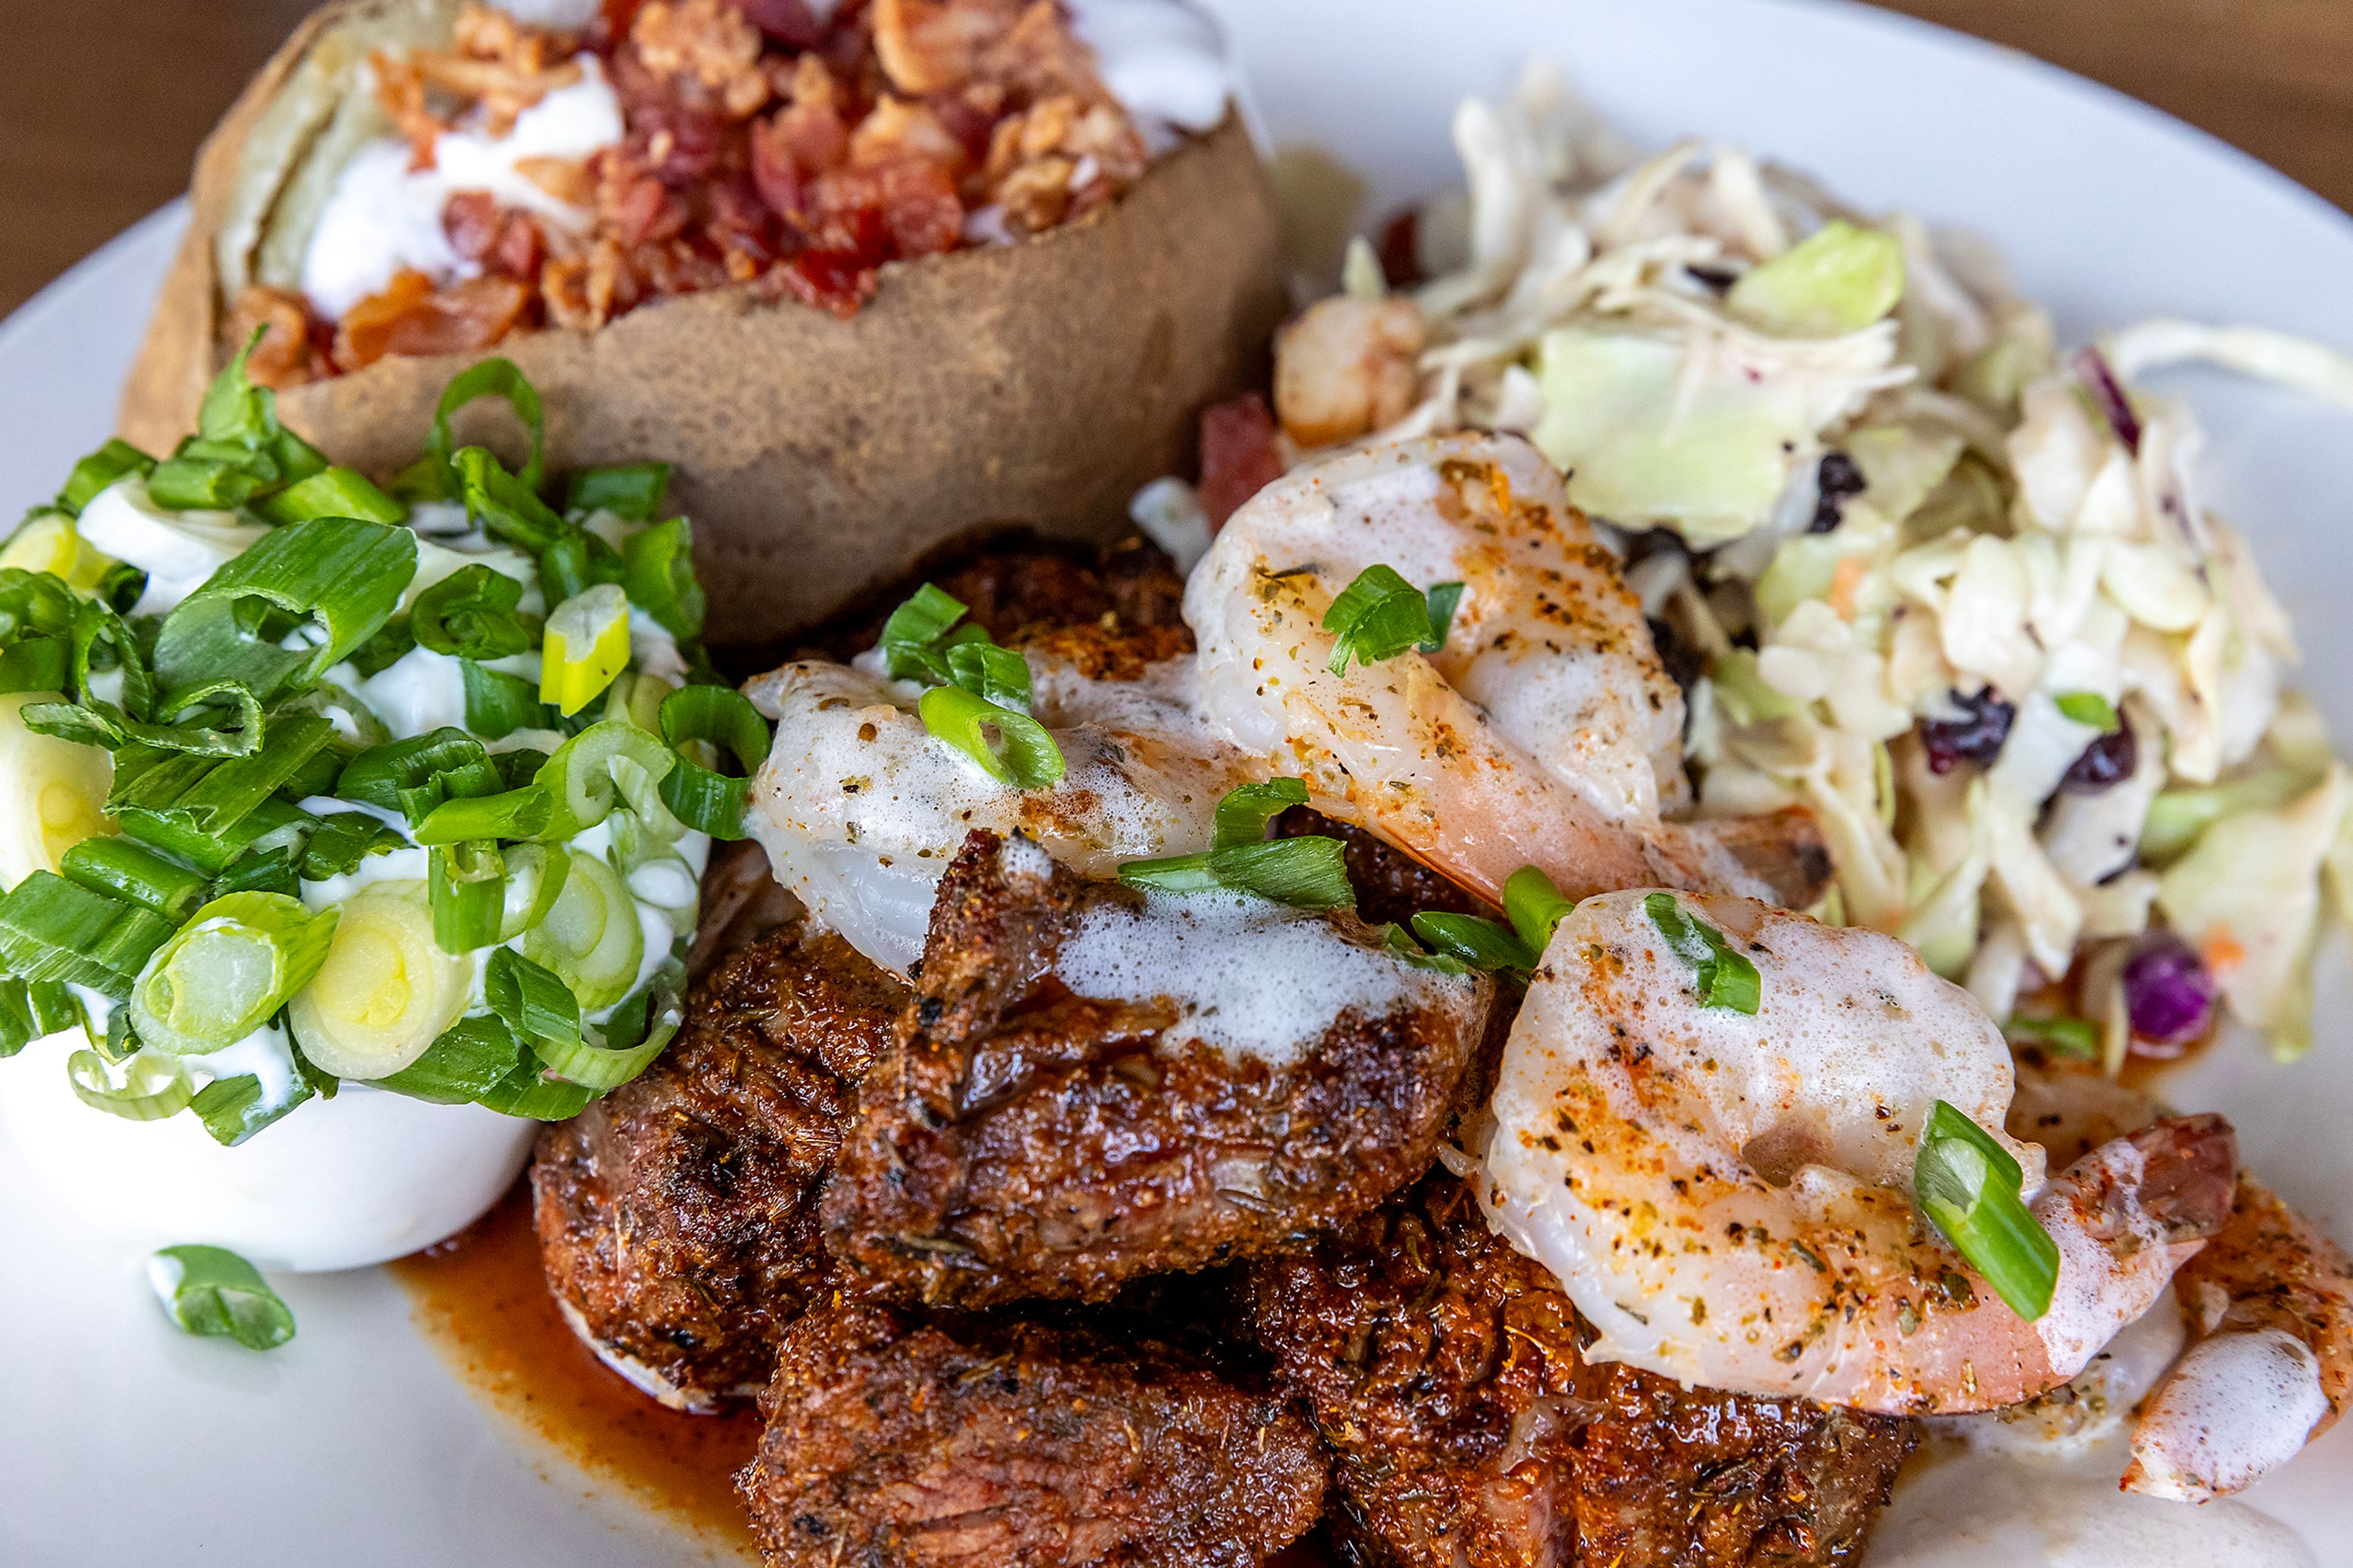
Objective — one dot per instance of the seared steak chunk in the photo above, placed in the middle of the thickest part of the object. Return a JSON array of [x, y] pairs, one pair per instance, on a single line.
[[1000, 1443], [677, 1216], [1444, 1369], [1097, 1085]]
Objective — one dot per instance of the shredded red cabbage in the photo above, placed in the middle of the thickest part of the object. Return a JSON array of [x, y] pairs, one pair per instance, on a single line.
[[2169, 994], [2093, 370]]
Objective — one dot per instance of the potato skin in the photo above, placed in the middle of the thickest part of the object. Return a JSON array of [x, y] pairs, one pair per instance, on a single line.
[[1036, 383]]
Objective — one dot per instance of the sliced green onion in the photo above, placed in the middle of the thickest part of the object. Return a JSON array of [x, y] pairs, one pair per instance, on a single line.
[[535, 878], [469, 894], [1245, 813], [504, 504], [468, 1060], [211, 1291], [37, 664], [224, 974], [142, 1087], [591, 937], [1721, 977], [342, 840], [1968, 1185], [99, 472], [133, 872], [388, 989], [232, 1109], [587, 644], [2077, 1038], [513, 814], [1395, 939], [1310, 873], [658, 570], [494, 378], [1482, 944], [723, 719], [576, 563], [994, 674], [529, 1090], [581, 776], [51, 929], [275, 870], [1022, 754], [2089, 708], [167, 799], [387, 647], [1534, 906], [631, 490], [1379, 615], [332, 492], [345, 575], [909, 636], [498, 704], [49, 543], [186, 482], [236, 416], [472, 614], [538, 1006], [412, 776]]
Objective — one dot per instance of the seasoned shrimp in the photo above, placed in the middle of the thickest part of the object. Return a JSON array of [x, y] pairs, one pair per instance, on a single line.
[[1543, 733], [1727, 1198], [2270, 1299], [861, 808]]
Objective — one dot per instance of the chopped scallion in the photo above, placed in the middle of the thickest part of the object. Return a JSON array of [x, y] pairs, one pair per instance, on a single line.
[[2089, 708], [1722, 977], [132, 871], [1968, 1186], [1379, 615], [725, 720], [472, 614], [632, 491], [1019, 752], [224, 974], [211, 1291], [1534, 905], [658, 570], [587, 644]]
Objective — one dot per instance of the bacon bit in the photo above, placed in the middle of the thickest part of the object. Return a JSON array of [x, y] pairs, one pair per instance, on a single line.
[[1238, 455], [788, 22], [413, 318], [1034, 158], [286, 356], [933, 46], [499, 63], [400, 93], [2221, 953], [566, 179], [898, 129], [712, 45], [1846, 578]]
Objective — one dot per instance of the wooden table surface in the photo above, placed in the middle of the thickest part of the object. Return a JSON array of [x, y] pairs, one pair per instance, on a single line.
[[104, 103]]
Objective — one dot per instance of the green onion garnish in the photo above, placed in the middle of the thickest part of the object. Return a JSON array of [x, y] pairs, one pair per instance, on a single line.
[[1395, 940], [332, 492], [2077, 1038], [504, 504], [99, 472], [464, 1062], [1482, 944], [1968, 1185], [413, 775], [467, 886], [223, 974], [590, 937], [233, 1110], [912, 636], [1534, 905], [535, 875], [658, 570], [145, 1086], [634, 491], [51, 929], [1380, 614], [1306, 872], [587, 644], [131, 871], [1020, 753], [472, 614], [30, 1011], [1722, 977], [492, 378], [211, 1291], [540, 1008], [498, 704], [340, 575], [725, 720], [511, 814], [582, 778], [2089, 708]]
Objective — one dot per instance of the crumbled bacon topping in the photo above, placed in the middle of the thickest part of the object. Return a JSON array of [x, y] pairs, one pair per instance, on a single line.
[[762, 147]]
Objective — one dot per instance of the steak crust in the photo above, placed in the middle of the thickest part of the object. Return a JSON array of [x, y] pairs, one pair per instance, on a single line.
[[676, 1215], [1005, 1443], [1444, 1369], [1020, 1140]]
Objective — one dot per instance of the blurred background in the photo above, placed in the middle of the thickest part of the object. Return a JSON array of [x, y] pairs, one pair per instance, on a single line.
[[107, 102]]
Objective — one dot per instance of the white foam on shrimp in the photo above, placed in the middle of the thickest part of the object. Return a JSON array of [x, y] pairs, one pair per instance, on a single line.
[[2238, 1405], [1246, 977]]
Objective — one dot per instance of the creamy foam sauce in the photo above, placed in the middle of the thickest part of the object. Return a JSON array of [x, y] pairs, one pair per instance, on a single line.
[[2240, 1405], [861, 808], [1248, 978]]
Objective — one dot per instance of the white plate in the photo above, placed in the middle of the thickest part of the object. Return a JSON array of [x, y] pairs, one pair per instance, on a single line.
[[124, 1443]]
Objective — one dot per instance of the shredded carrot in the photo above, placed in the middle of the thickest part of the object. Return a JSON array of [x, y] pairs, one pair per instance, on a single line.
[[1844, 580], [2221, 953]]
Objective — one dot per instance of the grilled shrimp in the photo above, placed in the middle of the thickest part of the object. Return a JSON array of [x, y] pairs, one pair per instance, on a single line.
[[1727, 1198], [860, 809], [1544, 732]]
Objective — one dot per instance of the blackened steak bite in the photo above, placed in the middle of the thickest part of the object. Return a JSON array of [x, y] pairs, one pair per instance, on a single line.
[[1000, 1443], [1443, 1370], [1098, 1085], [677, 1217]]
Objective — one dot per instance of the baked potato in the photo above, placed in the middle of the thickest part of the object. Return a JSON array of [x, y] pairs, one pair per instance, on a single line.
[[1038, 381]]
